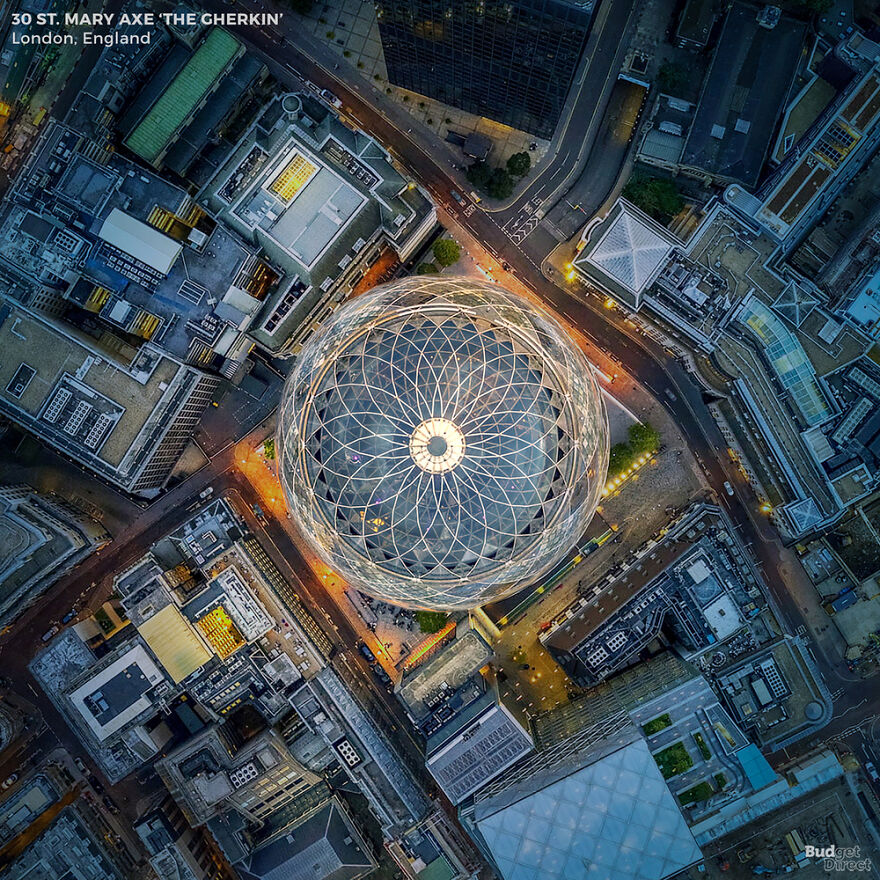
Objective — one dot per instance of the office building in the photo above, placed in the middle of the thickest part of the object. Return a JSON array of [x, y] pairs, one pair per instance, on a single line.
[[41, 537], [743, 95], [511, 62], [187, 98], [128, 421], [313, 838], [693, 587], [324, 205], [175, 849], [405, 504], [795, 382], [214, 771], [593, 804]]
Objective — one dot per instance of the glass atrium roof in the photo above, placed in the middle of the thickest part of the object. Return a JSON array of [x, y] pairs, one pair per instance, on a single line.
[[787, 358], [442, 442], [614, 819]]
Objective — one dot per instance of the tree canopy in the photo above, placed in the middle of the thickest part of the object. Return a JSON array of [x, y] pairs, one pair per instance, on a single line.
[[500, 184], [519, 164], [656, 196], [446, 251], [431, 621]]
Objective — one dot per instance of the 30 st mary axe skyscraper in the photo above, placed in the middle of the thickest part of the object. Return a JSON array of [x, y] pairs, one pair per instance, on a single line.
[[509, 61]]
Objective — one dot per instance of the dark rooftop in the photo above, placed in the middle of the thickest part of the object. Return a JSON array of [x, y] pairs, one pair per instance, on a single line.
[[744, 93]]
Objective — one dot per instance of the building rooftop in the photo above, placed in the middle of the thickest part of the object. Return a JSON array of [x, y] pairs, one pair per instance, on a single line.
[[610, 816], [323, 846], [105, 413], [143, 242], [117, 694], [174, 642], [183, 95], [746, 87], [800, 187], [688, 584], [625, 252], [447, 670], [317, 197], [475, 747]]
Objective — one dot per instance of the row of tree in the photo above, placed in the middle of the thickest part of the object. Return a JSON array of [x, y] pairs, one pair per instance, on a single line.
[[643, 439], [499, 182]]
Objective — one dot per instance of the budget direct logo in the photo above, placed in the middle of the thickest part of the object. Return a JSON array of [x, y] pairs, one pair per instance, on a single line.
[[839, 858]]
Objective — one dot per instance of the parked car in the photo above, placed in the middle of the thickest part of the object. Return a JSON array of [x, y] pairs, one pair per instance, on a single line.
[[382, 675], [366, 653], [206, 493], [81, 766], [869, 766], [728, 488], [108, 803], [96, 784], [456, 196], [69, 616], [330, 98], [49, 633], [10, 780]]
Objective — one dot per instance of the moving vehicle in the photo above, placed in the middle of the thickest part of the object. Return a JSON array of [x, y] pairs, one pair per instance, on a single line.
[[206, 493], [728, 488], [457, 196]]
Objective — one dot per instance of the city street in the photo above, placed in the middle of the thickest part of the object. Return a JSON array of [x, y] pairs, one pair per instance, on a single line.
[[646, 360], [515, 245]]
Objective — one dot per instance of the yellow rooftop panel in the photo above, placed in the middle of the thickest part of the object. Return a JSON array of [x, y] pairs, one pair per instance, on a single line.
[[174, 643]]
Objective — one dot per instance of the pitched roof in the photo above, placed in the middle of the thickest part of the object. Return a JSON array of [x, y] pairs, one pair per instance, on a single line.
[[196, 78], [630, 252], [614, 818]]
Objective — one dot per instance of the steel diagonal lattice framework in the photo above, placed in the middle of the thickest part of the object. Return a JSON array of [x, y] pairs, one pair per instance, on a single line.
[[442, 442]]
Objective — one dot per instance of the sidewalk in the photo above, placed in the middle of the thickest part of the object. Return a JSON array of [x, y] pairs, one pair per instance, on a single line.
[[327, 56]]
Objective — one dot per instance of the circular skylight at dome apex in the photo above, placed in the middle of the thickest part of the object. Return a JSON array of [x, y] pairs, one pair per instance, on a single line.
[[441, 442]]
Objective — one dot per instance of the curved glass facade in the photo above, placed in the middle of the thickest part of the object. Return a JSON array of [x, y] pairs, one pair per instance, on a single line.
[[442, 442]]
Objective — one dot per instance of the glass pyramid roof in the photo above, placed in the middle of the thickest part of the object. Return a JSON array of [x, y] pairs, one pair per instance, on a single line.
[[630, 252], [614, 819]]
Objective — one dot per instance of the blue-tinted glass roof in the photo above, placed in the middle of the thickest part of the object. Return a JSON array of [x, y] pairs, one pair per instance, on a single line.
[[434, 433], [614, 819], [787, 358]]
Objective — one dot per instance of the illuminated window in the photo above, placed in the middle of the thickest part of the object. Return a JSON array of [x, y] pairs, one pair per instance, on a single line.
[[293, 178]]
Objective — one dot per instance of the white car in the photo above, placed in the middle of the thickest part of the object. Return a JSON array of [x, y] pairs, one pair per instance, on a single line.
[[728, 488], [869, 766], [10, 780], [330, 98]]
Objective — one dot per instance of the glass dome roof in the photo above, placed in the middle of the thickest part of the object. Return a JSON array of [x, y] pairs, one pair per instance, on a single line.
[[441, 442]]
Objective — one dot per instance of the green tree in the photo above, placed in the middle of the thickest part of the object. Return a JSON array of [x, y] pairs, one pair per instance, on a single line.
[[619, 459], [431, 621], [446, 252], [671, 77], [519, 164], [478, 174], [427, 269], [643, 438], [269, 449], [500, 185], [656, 196]]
